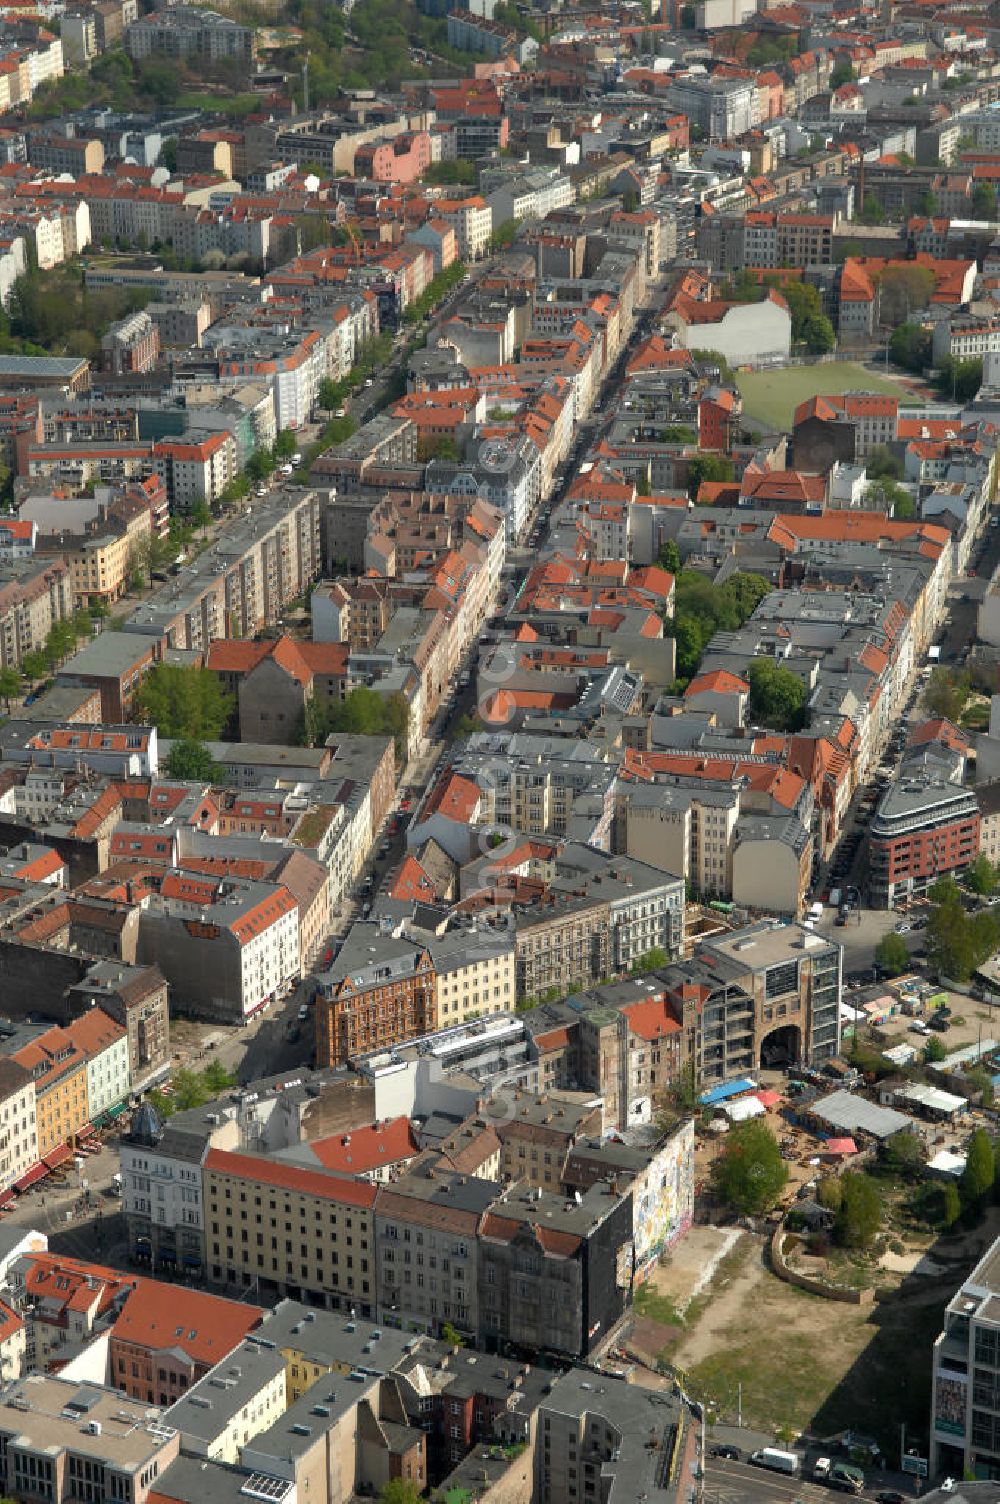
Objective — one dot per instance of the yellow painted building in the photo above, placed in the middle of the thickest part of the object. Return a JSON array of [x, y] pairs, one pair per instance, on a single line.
[[59, 1070]]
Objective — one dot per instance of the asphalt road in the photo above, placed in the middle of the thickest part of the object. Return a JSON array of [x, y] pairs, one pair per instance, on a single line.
[[739, 1483]]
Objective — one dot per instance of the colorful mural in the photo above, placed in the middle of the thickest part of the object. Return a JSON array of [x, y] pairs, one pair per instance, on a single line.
[[663, 1199]]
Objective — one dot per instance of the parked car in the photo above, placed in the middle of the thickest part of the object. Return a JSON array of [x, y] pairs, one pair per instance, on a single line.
[[303, 1013], [731, 1454], [890, 1496], [821, 1467]]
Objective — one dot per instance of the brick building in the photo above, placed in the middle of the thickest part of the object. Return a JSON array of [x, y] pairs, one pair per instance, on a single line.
[[380, 992], [923, 828], [159, 1347]]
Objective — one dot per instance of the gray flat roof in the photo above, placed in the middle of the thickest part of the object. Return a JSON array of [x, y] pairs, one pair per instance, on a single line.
[[41, 365], [109, 654], [844, 1110], [332, 1338], [209, 1405]]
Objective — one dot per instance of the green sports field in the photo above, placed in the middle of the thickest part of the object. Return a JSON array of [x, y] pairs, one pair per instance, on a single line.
[[772, 396]]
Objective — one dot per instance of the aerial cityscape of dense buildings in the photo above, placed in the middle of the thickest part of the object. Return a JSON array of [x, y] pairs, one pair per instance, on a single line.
[[500, 763]]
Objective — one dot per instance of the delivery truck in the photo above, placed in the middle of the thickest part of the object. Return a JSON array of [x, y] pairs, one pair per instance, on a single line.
[[776, 1460]]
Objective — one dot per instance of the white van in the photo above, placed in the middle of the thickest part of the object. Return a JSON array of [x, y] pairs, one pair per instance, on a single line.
[[815, 911]]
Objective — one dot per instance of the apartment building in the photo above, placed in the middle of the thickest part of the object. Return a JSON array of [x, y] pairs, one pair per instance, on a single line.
[[785, 239], [379, 991], [721, 107], [766, 994], [553, 1275], [58, 1068], [103, 1041], [924, 827], [241, 584], [590, 1440], [965, 1389], [158, 1350], [18, 1127], [475, 973], [137, 998], [75, 155], [425, 1246], [61, 1441], [300, 1232], [472, 221], [162, 1189], [101, 555], [316, 1343], [238, 1398], [196, 472], [227, 947], [198, 35], [34, 595], [131, 345]]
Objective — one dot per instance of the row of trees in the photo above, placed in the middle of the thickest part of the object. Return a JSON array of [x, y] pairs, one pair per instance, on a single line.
[[369, 358], [363, 712], [436, 290], [60, 643]]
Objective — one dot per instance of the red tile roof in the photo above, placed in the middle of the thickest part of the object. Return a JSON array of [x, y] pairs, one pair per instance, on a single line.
[[205, 1327], [366, 1149], [288, 1177]]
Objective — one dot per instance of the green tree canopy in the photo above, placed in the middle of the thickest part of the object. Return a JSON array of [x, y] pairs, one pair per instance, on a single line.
[[957, 942], [191, 759], [367, 713], [892, 955], [707, 467], [903, 1154], [185, 702], [946, 693], [910, 347], [977, 1178], [749, 1173], [670, 558], [777, 695], [934, 1050], [984, 201], [399, 1491], [886, 496], [10, 685], [860, 1215], [260, 464], [959, 380], [34, 666], [810, 325], [701, 609], [903, 288], [982, 876]]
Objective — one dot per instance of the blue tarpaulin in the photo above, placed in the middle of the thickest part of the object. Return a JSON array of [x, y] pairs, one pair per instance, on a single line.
[[727, 1090]]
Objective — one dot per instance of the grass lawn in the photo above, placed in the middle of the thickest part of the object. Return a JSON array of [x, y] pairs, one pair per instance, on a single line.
[[222, 104], [773, 396]]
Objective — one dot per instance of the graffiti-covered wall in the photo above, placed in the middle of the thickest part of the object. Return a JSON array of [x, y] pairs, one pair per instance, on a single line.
[[663, 1199]]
